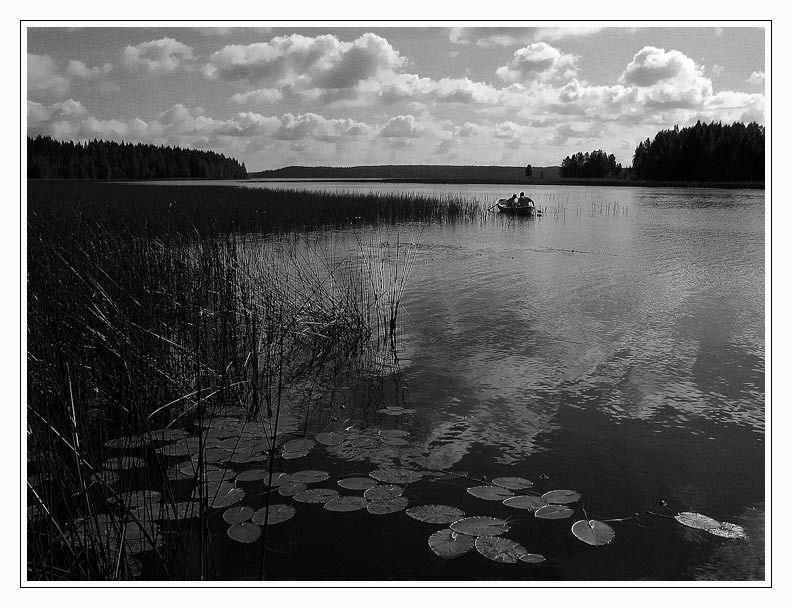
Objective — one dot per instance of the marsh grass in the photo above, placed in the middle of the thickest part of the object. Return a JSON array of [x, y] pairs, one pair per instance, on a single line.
[[157, 315]]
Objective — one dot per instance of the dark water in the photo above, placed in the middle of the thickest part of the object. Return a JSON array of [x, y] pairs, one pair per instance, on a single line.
[[615, 345]]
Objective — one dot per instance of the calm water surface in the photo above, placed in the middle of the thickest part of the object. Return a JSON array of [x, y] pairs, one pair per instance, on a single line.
[[615, 345]]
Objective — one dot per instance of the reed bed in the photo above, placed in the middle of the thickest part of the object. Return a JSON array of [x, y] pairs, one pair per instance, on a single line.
[[159, 315]]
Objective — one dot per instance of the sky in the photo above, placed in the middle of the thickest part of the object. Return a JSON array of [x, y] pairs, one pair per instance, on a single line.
[[344, 96]]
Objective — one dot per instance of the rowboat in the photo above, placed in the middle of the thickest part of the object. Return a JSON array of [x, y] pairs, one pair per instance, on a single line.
[[523, 210]]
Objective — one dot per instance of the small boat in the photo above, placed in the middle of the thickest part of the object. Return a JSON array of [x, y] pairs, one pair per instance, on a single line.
[[523, 210]]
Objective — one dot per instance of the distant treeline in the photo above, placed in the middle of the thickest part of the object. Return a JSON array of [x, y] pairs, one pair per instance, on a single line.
[[454, 173], [591, 164], [703, 152], [97, 159]]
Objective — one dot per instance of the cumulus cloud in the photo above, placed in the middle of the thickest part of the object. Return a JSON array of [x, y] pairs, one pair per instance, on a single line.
[[512, 36], [79, 70], [717, 70], [537, 61], [400, 126], [314, 126], [157, 56], [756, 79], [258, 97], [43, 76]]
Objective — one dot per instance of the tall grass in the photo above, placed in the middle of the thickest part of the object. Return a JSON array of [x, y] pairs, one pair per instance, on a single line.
[[158, 314]]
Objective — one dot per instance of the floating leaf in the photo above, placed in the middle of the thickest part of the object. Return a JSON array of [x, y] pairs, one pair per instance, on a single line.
[[294, 455], [167, 434], [290, 488], [331, 438], [174, 449], [346, 503], [184, 510], [561, 497], [727, 530], [448, 544], [385, 507], [593, 532], [383, 492], [396, 475], [480, 526], [512, 483], [218, 475], [245, 532], [532, 558], [697, 520], [309, 476], [357, 483], [316, 496], [278, 479], [123, 463], [553, 512], [236, 515], [363, 442], [226, 499], [277, 515], [396, 442], [252, 475], [490, 493], [393, 433], [528, 503], [136, 499], [298, 445], [436, 514], [245, 456], [499, 549], [216, 455], [126, 443]]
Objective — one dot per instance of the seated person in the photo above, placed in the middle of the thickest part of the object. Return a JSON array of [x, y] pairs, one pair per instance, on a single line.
[[512, 201], [525, 201]]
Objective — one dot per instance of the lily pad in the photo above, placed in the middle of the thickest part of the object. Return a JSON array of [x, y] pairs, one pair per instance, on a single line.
[[126, 443], [393, 433], [294, 455], [363, 442], [383, 492], [593, 532], [252, 475], [245, 532], [553, 512], [449, 544], [277, 515], [480, 526], [532, 558], [528, 503], [436, 514], [183, 510], [499, 549], [245, 456], [490, 493], [236, 515], [727, 530], [298, 445], [396, 442], [331, 438], [278, 479], [357, 483], [167, 434], [512, 483], [697, 520], [174, 449], [291, 488], [396, 475], [226, 499], [309, 476], [316, 496], [346, 503], [561, 497], [140, 498], [123, 463], [385, 507]]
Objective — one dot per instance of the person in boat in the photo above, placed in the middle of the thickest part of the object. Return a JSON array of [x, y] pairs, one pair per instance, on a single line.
[[512, 201], [525, 201]]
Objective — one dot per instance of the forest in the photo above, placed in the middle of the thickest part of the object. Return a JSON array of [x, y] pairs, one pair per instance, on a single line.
[[703, 152], [51, 159], [591, 164]]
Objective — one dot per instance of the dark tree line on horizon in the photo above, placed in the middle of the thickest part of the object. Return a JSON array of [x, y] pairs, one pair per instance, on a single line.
[[51, 159], [703, 152], [590, 164]]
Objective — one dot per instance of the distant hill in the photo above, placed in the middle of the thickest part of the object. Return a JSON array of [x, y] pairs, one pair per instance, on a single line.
[[433, 173]]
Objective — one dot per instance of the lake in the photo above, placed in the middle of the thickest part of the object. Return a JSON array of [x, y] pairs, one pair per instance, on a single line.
[[614, 346]]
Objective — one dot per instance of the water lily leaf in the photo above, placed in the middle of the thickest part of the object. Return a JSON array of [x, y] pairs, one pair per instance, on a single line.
[[553, 512], [396, 442], [363, 442], [316, 496], [127, 443], [593, 532], [528, 503], [512, 483], [223, 499], [399, 476], [291, 488], [136, 499], [219, 475], [383, 492], [449, 544], [298, 445], [393, 433], [245, 532], [561, 497], [174, 449], [385, 507], [697, 520], [183, 510], [346, 503], [167, 434], [278, 479], [216, 455], [480, 526], [245, 456], [499, 549], [727, 530], [532, 558], [294, 455], [490, 493], [236, 515], [252, 475], [277, 515], [331, 438], [309, 476], [124, 462], [357, 483], [436, 514]]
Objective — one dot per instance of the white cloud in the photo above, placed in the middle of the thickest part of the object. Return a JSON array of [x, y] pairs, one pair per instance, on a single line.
[[717, 70], [258, 97], [400, 126], [756, 79], [537, 61], [491, 37], [79, 70], [43, 76], [157, 56]]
